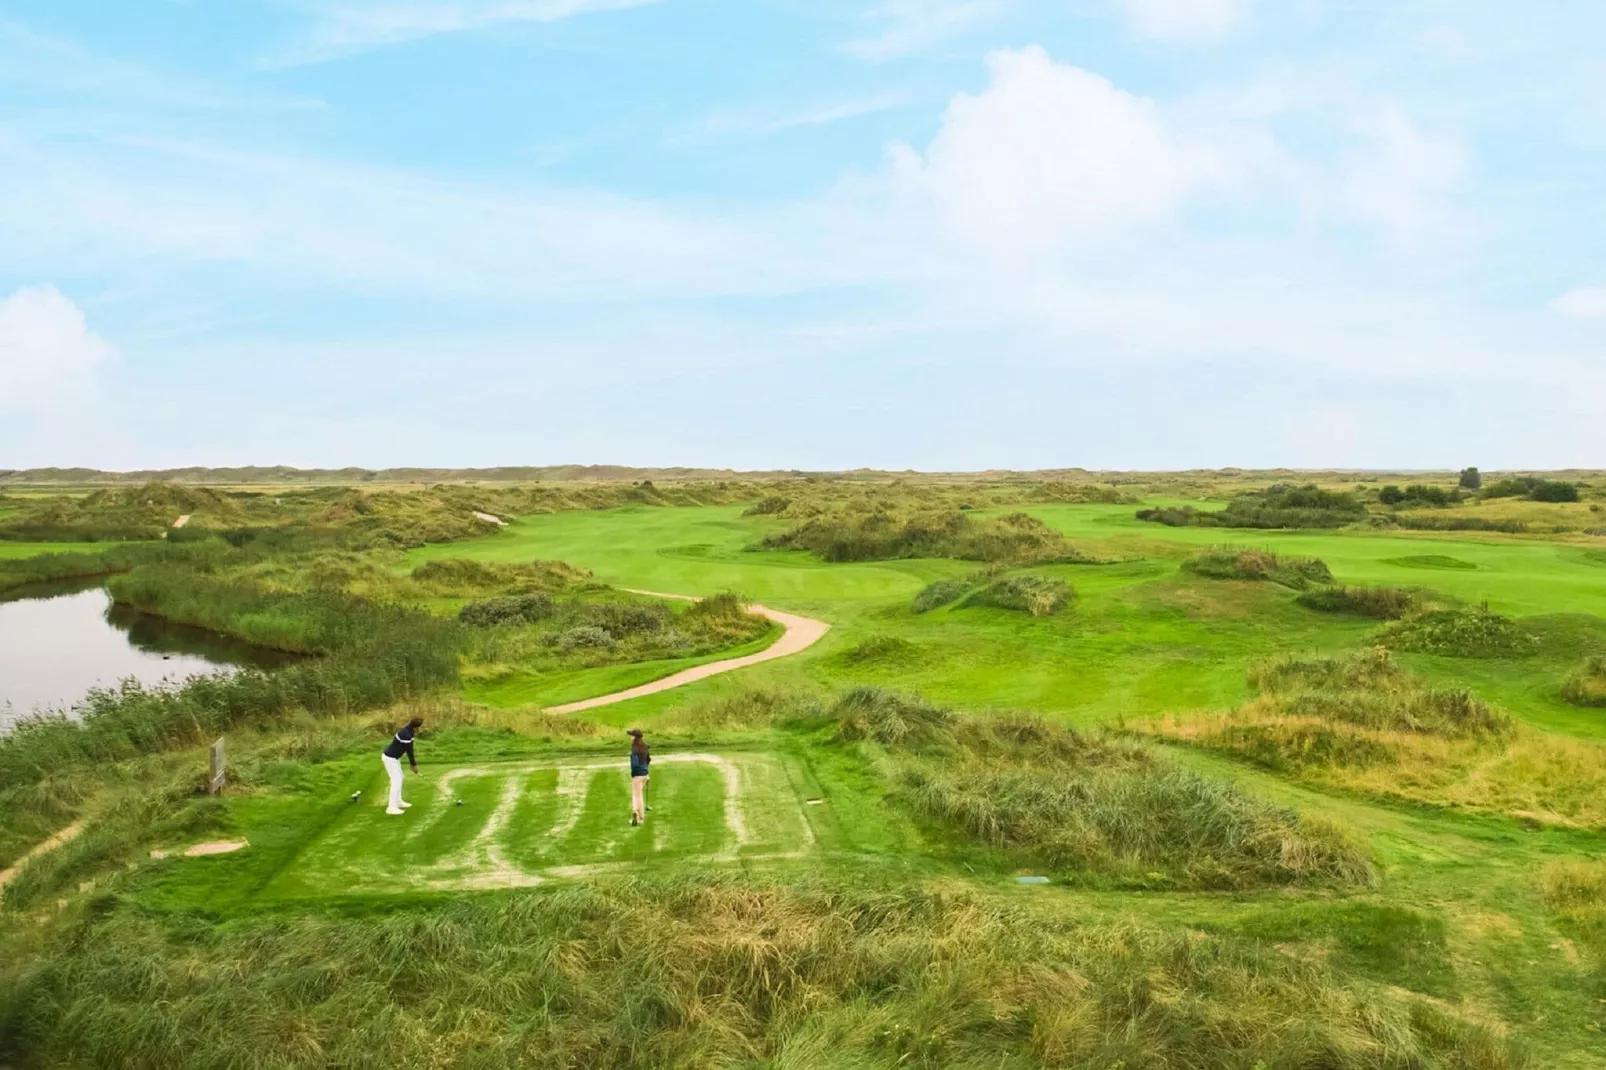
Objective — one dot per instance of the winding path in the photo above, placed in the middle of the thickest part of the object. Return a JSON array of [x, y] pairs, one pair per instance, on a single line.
[[800, 634], [66, 835]]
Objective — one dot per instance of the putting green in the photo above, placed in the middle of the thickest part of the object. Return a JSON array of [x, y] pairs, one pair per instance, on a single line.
[[513, 824]]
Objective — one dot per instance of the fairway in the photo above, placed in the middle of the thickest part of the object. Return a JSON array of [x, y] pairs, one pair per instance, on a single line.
[[508, 825]]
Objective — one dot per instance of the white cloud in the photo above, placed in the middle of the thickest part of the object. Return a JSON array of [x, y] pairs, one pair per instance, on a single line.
[[907, 26], [46, 348], [1584, 303], [1049, 152], [764, 122], [1185, 20], [345, 27], [1402, 177]]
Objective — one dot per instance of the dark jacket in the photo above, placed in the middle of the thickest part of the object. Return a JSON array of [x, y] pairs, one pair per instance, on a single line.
[[402, 744], [639, 760]]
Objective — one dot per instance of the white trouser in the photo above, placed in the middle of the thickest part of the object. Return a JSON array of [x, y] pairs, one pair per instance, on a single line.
[[393, 767]]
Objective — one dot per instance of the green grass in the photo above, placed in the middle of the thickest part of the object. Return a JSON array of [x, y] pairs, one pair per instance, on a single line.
[[863, 910]]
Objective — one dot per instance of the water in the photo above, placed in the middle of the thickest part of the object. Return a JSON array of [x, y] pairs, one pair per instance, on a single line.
[[59, 640]]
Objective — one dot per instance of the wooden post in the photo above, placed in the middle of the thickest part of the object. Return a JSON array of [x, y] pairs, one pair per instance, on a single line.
[[214, 783]]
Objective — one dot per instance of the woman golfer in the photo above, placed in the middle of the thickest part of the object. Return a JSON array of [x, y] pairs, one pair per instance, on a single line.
[[640, 758], [400, 745]]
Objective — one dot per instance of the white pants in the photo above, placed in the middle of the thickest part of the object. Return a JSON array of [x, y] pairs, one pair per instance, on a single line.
[[393, 767]]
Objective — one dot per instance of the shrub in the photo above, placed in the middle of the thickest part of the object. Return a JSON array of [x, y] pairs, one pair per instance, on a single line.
[[1237, 563], [513, 609], [1470, 479], [1041, 596], [1180, 517], [1587, 686], [1460, 633], [459, 576], [1418, 522], [1382, 603], [1547, 490], [936, 595], [585, 637]]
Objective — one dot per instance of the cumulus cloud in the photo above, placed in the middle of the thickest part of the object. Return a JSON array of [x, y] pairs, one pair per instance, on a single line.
[[1048, 152], [46, 348], [1584, 303], [1185, 20]]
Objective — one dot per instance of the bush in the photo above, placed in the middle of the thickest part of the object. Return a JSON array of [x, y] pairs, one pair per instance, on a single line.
[[1041, 596], [513, 609], [1237, 563], [1418, 522], [1180, 517], [936, 595], [1460, 633], [585, 637], [768, 506], [1382, 603], [1470, 479], [1418, 494], [1587, 686], [1553, 491]]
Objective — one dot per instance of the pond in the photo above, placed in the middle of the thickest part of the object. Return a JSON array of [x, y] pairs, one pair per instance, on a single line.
[[59, 640]]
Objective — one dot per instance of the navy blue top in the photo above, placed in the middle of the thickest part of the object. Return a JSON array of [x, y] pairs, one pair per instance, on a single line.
[[639, 760], [402, 744]]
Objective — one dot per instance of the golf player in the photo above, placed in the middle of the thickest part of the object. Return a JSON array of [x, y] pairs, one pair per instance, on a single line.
[[400, 745]]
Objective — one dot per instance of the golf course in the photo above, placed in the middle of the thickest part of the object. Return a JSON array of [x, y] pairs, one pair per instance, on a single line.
[[1237, 770]]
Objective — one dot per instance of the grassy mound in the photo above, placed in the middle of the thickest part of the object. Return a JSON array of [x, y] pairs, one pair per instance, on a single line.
[[453, 576], [1041, 596], [881, 651], [1279, 506], [1460, 633], [1381, 603], [1363, 724], [874, 533], [1587, 686], [691, 970], [1239, 563], [1431, 561], [939, 594], [1575, 893], [1089, 808]]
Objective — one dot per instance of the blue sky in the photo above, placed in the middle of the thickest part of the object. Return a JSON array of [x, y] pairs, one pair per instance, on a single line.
[[939, 234]]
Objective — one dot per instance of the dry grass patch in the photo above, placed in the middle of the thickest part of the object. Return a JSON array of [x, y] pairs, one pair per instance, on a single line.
[[1363, 724]]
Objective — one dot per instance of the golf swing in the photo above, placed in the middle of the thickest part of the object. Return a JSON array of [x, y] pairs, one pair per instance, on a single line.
[[400, 744]]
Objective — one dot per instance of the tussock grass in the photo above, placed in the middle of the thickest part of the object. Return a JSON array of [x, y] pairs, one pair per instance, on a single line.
[[1086, 807], [1243, 563], [881, 651], [1380, 603], [871, 532], [1041, 596], [1282, 505], [1460, 633], [1587, 686], [939, 594], [703, 971], [1364, 725]]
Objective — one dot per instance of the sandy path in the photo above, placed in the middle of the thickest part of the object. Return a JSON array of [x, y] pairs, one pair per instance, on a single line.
[[801, 633], [64, 836]]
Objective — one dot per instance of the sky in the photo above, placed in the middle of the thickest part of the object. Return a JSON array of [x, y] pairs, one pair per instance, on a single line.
[[818, 234]]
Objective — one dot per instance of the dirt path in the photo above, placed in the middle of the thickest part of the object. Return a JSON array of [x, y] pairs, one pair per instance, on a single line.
[[66, 835], [801, 633]]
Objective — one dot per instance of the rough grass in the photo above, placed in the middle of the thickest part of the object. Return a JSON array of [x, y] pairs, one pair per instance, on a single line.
[[871, 532], [1240, 563], [1575, 893], [1380, 603], [1361, 724], [1460, 633], [702, 971], [1089, 808], [939, 594], [1041, 596], [1587, 686]]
